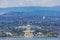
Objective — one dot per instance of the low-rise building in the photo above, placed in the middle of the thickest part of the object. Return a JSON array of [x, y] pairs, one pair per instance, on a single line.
[[40, 34]]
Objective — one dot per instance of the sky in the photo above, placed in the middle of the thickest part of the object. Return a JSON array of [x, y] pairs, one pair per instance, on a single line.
[[19, 3]]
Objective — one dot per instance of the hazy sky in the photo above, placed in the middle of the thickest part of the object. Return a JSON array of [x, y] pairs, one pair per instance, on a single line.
[[12, 3]]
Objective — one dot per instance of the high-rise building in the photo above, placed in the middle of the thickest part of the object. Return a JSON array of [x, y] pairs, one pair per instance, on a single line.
[[43, 17]]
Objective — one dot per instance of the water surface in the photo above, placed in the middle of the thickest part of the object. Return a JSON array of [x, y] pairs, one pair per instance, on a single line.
[[30, 38]]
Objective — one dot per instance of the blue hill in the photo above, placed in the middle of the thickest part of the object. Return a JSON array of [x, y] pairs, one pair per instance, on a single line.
[[31, 11]]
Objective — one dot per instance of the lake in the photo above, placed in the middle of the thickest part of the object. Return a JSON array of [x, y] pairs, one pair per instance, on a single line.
[[30, 39]]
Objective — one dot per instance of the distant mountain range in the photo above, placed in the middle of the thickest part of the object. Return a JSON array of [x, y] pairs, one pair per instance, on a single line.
[[30, 11]]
